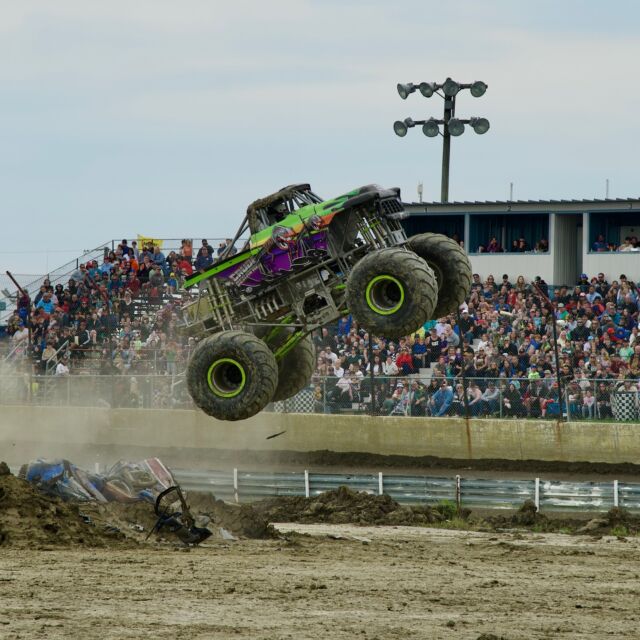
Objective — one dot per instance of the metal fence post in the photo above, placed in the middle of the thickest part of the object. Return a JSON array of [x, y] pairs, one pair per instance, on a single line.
[[236, 494], [380, 483], [616, 497], [324, 395], [306, 484], [458, 493], [536, 494]]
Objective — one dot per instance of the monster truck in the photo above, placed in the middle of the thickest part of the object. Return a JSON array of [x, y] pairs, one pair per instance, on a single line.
[[307, 263]]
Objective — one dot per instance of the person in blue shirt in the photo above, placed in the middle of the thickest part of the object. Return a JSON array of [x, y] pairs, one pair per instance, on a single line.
[[46, 303], [419, 353], [158, 257], [441, 400], [204, 260], [106, 266], [600, 244]]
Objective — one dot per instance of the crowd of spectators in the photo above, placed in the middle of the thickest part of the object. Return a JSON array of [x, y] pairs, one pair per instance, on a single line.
[[495, 357], [120, 316], [519, 245], [630, 244], [500, 349]]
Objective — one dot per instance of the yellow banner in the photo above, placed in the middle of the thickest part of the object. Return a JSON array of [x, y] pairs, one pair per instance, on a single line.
[[144, 241]]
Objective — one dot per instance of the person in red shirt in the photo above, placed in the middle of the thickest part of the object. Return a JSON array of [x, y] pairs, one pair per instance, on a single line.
[[185, 266], [404, 361], [133, 284]]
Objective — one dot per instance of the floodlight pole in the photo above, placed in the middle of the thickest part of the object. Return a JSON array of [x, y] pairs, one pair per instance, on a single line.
[[449, 112]]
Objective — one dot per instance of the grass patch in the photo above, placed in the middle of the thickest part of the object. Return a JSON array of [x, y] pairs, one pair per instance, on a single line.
[[620, 531], [447, 509]]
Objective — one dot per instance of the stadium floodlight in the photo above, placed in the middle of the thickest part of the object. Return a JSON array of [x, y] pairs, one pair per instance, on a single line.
[[430, 128], [427, 89], [452, 126], [479, 125], [450, 87], [478, 88], [405, 89], [400, 127], [456, 127]]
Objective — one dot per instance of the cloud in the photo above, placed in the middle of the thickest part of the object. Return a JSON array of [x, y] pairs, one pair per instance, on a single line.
[[183, 113]]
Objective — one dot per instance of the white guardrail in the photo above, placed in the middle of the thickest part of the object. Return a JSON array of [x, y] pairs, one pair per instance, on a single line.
[[479, 493]]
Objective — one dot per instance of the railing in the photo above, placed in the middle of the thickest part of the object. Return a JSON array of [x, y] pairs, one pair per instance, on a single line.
[[472, 398], [63, 273], [596, 400], [474, 493]]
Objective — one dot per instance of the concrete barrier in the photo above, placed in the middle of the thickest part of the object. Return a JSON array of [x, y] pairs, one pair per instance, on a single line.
[[27, 431]]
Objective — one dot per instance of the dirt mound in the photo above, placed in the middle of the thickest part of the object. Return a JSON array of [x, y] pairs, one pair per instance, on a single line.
[[527, 515], [617, 522], [29, 518], [136, 519], [241, 520], [342, 506]]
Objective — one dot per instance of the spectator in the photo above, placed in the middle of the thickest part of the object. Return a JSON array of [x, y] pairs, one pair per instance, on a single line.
[[600, 244], [491, 399], [417, 399], [204, 260], [205, 247], [588, 404], [512, 402], [441, 400], [474, 395], [62, 369]]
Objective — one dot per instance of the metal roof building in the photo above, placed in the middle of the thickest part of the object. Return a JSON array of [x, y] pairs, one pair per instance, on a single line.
[[582, 235]]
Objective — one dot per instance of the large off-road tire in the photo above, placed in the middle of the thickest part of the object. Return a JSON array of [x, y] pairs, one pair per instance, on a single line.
[[232, 375], [295, 369], [451, 266], [392, 292]]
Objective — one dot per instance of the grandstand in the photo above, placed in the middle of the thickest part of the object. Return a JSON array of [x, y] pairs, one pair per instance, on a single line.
[[114, 314]]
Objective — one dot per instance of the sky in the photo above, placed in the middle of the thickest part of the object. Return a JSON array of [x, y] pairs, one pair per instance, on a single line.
[[167, 118]]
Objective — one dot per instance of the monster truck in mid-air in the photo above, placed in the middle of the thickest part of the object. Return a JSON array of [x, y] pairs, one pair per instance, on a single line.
[[307, 263]]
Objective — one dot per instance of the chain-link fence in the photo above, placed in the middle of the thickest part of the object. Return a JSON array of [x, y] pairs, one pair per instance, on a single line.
[[118, 391], [587, 399], [600, 400]]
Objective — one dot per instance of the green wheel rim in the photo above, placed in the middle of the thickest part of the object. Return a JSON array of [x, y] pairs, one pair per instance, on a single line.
[[384, 295], [226, 378]]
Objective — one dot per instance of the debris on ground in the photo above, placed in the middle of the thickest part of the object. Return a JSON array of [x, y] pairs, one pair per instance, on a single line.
[[123, 482], [342, 506], [57, 503], [241, 520]]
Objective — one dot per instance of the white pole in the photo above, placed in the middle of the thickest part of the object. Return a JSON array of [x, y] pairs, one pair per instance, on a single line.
[[536, 495], [236, 495], [306, 483], [380, 484], [615, 494], [458, 493]]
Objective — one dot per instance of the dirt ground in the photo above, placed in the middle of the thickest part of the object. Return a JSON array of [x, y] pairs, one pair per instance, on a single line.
[[370, 582]]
